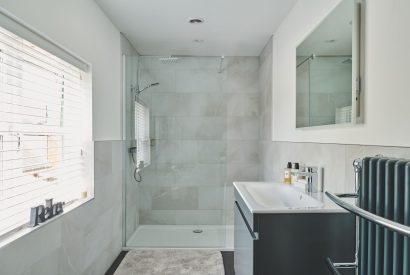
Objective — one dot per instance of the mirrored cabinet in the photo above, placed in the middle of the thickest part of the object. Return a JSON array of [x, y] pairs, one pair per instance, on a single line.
[[328, 69]]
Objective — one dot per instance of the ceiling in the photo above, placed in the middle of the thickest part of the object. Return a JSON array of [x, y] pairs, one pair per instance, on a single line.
[[231, 27]]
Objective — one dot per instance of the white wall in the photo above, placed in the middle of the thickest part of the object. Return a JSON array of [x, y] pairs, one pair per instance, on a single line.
[[89, 238], [81, 27], [386, 78], [336, 159]]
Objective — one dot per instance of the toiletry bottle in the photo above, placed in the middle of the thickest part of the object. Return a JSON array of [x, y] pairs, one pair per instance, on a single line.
[[287, 175], [302, 179], [294, 172]]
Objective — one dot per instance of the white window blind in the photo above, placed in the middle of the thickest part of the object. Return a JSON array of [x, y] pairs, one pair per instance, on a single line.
[[43, 115], [142, 135]]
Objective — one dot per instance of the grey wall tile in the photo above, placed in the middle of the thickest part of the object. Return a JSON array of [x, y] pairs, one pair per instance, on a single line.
[[174, 198], [202, 128], [196, 174], [158, 216], [241, 75], [242, 172], [239, 151], [243, 128], [165, 77], [194, 125], [198, 80], [203, 104], [212, 151], [243, 104], [211, 198]]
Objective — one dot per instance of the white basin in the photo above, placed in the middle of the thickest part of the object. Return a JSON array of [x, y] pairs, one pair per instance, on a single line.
[[264, 197], [280, 196]]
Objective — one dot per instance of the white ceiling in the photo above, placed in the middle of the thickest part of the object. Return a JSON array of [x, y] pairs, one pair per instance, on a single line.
[[231, 27]]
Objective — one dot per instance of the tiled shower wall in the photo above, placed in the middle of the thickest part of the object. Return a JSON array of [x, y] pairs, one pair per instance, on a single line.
[[336, 159], [205, 126]]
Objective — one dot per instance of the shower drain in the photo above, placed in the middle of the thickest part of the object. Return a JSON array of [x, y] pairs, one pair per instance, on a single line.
[[197, 231]]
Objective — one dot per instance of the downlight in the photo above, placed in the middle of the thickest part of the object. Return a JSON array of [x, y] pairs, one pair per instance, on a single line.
[[196, 20]]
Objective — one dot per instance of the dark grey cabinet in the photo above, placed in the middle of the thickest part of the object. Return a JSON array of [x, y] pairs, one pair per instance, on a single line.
[[291, 243]]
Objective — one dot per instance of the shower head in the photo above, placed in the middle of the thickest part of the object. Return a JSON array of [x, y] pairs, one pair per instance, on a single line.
[[147, 87]]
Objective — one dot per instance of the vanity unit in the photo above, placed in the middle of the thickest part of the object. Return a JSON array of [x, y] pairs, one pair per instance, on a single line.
[[281, 230]]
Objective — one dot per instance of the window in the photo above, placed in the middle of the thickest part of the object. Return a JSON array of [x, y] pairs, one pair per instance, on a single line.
[[45, 131], [143, 157]]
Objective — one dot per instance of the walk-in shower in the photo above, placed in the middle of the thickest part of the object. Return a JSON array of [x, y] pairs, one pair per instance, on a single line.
[[183, 198]]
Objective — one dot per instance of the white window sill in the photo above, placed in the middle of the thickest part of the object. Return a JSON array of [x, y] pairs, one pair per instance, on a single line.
[[12, 236]]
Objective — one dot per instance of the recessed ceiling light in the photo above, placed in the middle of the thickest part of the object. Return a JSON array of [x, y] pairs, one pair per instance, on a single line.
[[198, 40], [196, 20], [330, 40]]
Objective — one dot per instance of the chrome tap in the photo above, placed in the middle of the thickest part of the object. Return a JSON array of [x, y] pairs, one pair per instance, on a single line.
[[314, 182]]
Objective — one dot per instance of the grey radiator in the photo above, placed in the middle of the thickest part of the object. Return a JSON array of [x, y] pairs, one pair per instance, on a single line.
[[384, 191], [383, 206]]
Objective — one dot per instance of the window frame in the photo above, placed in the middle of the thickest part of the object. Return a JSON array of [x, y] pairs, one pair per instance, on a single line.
[[23, 30]]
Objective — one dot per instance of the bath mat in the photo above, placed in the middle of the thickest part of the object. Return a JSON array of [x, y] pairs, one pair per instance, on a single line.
[[171, 262]]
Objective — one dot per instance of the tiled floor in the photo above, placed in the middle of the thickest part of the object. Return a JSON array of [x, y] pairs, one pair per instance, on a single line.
[[227, 256]]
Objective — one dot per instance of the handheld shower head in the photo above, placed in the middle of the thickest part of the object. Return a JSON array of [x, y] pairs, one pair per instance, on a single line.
[[147, 87]]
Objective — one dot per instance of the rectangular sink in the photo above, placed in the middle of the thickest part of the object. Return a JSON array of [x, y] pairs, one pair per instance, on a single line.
[[281, 229], [263, 197], [280, 196]]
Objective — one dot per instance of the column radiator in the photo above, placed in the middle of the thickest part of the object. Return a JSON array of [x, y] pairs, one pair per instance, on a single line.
[[384, 191], [383, 206]]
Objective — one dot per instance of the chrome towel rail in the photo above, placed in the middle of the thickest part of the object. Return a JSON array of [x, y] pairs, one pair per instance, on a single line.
[[333, 267], [394, 226]]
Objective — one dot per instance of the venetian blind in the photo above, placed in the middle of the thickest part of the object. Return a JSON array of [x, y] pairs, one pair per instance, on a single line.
[[43, 102], [142, 135]]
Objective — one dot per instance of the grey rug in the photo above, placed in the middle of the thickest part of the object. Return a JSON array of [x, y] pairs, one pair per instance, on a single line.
[[171, 261]]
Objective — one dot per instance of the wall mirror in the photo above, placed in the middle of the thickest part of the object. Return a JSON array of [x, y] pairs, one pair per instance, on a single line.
[[327, 70]]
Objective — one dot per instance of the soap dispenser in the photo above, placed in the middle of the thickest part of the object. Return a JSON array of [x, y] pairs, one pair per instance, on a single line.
[[287, 178], [294, 172]]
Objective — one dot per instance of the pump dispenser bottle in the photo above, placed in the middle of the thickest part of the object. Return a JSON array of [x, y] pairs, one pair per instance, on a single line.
[[294, 172], [287, 173]]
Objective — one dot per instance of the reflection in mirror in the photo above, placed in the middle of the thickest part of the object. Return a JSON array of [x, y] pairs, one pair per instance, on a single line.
[[324, 69]]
